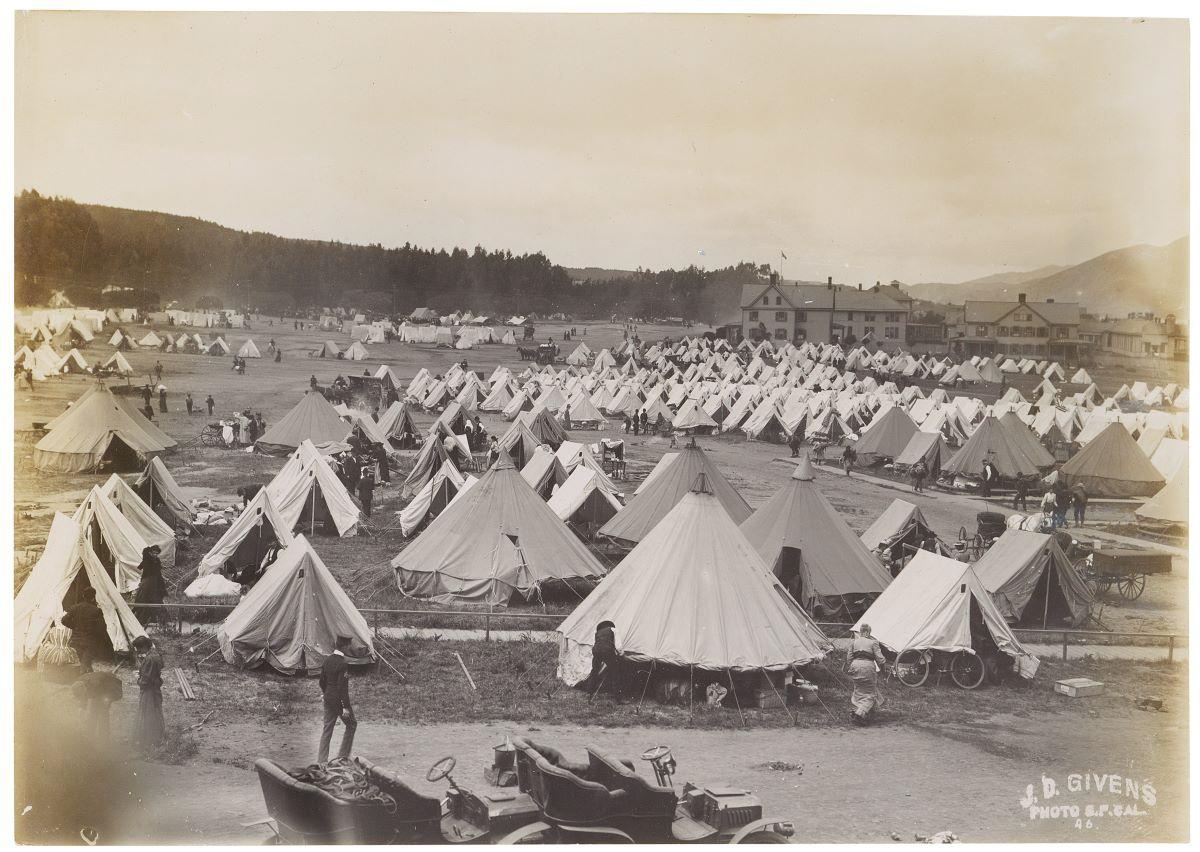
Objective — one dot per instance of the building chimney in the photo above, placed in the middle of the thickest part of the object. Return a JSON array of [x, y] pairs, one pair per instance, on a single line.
[[860, 286], [1021, 298], [1049, 301], [829, 283]]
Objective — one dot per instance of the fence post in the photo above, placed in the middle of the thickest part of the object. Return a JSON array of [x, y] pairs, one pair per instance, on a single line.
[[179, 620], [377, 624], [1064, 645], [1171, 648], [487, 627]]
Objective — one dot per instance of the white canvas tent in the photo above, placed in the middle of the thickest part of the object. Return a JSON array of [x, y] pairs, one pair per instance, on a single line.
[[306, 490], [249, 350], [39, 604], [251, 543], [693, 593], [153, 529], [928, 607], [113, 538], [292, 617]]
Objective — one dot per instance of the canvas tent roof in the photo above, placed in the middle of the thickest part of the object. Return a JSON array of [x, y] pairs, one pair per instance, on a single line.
[[439, 492], [81, 437], [831, 559], [901, 522], [312, 418], [1032, 581], [671, 483], [39, 604], [928, 606], [929, 446], [887, 435], [1111, 465], [586, 496], [156, 486], [293, 616], [991, 440], [307, 488], [1170, 504], [500, 538], [103, 524], [694, 592], [250, 538], [153, 529], [249, 350]]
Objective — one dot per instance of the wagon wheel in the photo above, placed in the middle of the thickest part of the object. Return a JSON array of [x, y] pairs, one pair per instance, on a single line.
[[912, 667], [1102, 585], [1131, 587], [962, 533], [967, 670]]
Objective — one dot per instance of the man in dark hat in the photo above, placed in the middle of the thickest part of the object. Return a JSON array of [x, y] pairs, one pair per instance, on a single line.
[[89, 633], [366, 489], [335, 693]]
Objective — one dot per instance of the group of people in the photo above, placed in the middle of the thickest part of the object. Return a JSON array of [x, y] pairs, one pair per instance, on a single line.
[[639, 421], [243, 429], [1058, 499], [96, 690]]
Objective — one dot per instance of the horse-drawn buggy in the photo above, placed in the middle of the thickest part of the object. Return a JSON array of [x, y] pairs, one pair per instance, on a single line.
[[555, 800], [1126, 568]]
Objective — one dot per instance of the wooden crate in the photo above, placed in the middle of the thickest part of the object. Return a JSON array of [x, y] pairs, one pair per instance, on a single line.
[[1078, 687]]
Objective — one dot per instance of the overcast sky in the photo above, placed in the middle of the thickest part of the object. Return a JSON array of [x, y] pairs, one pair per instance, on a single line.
[[933, 149]]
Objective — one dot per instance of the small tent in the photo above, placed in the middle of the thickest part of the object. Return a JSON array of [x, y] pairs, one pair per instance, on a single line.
[[306, 491], [250, 544], [399, 427], [1169, 507], [312, 418], [151, 339], [886, 436], [694, 592], [938, 603], [158, 488], [1032, 582], [114, 540], [153, 529], [98, 428], [1111, 465], [249, 350], [497, 540], [356, 352], [52, 586], [901, 530], [805, 542], [669, 485], [439, 492], [586, 500], [118, 364], [293, 616]]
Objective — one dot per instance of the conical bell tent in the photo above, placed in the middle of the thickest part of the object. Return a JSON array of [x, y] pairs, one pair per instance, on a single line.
[[496, 540], [801, 537], [1112, 465], [694, 592], [634, 522], [312, 418]]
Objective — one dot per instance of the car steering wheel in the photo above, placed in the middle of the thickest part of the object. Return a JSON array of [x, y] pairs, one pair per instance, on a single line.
[[441, 769], [656, 753]]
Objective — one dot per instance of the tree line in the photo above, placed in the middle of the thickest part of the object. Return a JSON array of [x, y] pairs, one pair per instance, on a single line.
[[111, 257]]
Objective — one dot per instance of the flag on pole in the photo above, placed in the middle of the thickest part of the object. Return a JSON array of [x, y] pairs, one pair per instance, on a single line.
[[781, 254]]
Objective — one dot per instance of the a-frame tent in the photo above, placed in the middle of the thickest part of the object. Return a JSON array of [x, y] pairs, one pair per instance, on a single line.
[[54, 583], [398, 425], [313, 418], [293, 616], [153, 529], [991, 441], [306, 492], [157, 487], [1169, 507], [805, 542], [499, 539], [670, 484], [251, 543], [249, 349], [1032, 582], [115, 541], [430, 458], [439, 492], [886, 436], [694, 593], [1112, 465], [938, 603], [902, 530], [586, 500]]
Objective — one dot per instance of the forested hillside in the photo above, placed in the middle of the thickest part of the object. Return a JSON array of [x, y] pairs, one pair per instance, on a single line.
[[156, 258]]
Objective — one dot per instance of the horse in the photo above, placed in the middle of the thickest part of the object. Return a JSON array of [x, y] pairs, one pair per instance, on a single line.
[[527, 353]]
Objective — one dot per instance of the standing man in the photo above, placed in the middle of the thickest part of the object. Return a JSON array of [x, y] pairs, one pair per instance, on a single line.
[[794, 444], [989, 479], [366, 487], [162, 399], [151, 587], [381, 459], [187, 400], [866, 658], [848, 458], [1079, 501], [158, 370], [335, 691], [147, 394], [151, 729], [89, 634], [1021, 494], [211, 403], [918, 474], [604, 660], [645, 418]]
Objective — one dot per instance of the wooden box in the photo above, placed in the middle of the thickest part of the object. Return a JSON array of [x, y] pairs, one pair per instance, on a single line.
[[1078, 687]]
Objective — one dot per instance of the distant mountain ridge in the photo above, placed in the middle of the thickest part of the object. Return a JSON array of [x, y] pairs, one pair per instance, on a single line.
[[1131, 279]]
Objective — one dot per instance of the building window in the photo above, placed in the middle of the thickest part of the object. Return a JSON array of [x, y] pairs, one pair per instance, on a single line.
[[801, 316], [1062, 331], [869, 317], [980, 330], [1042, 331], [766, 300], [753, 316], [868, 329], [781, 334], [891, 332], [1004, 331], [781, 316], [778, 300], [849, 315]]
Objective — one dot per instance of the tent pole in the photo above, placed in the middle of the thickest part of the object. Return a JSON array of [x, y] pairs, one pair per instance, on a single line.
[[312, 516], [733, 689], [691, 690], [1046, 603]]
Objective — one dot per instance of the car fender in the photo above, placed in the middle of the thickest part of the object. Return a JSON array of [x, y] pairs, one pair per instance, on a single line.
[[780, 826]]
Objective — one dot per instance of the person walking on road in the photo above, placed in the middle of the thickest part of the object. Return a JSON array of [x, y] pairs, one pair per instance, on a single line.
[[211, 403], [918, 474], [866, 658], [335, 693], [1079, 501]]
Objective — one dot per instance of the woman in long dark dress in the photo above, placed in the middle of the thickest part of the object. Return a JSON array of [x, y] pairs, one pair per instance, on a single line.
[[151, 728], [152, 589]]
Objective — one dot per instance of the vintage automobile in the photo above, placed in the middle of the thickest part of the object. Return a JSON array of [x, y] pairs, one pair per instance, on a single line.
[[556, 801]]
